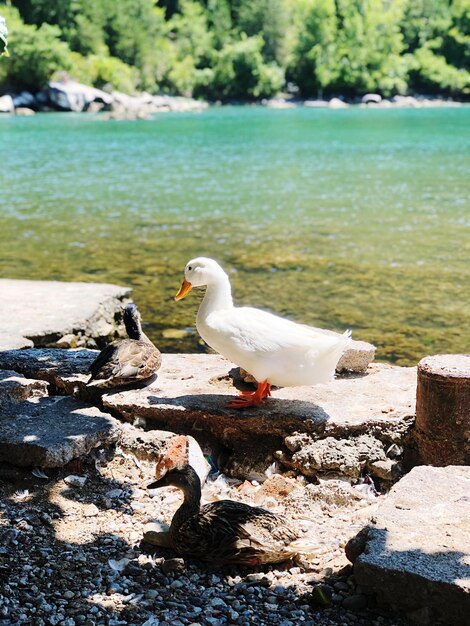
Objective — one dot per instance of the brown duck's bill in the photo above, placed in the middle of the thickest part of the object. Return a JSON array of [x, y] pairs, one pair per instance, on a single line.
[[184, 290], [154, 485]]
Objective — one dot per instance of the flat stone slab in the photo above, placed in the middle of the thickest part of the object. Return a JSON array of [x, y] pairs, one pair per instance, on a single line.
[[198, 386], [192, 390], [41, 313], [51, 431], [190, 385], [417, 553]]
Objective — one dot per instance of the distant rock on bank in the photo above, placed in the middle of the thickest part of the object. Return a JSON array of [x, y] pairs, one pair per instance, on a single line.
[[72, 96], [369, 100], [69, 95]]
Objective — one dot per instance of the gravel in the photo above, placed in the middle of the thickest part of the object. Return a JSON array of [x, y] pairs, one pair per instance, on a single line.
[[71, 555]]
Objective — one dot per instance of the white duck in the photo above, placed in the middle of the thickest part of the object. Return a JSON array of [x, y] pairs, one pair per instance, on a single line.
[[275, 351]]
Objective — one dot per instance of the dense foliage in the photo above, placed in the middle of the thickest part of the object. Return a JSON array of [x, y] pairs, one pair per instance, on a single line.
[[242, 49], [3, 37]]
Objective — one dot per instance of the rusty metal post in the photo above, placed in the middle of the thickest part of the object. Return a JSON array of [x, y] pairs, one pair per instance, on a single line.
[[443, 410]]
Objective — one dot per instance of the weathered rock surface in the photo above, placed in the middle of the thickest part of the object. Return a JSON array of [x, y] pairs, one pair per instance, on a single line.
[[15, 387], [42, 312], [24, 111], [417, 552], [192, 390], [51, 431], [357, 357], [345, 456]]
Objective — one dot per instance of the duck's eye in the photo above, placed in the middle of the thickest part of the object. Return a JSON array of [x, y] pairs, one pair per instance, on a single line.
[[190, 268]]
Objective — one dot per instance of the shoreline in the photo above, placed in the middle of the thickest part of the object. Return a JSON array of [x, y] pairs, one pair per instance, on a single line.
[[71, 96]]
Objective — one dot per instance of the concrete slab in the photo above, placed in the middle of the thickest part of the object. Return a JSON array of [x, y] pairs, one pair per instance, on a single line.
[[417, 552], [51, 431], [41, 313]]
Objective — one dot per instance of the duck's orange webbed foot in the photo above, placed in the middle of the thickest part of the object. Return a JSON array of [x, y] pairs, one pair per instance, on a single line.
[[251, 398]]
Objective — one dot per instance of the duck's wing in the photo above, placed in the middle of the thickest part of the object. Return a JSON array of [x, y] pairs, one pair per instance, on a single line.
[[126, 359], [105, 361], [256, 330], [229, 531]]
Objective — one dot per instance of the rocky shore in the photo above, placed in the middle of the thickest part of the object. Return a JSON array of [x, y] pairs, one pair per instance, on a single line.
[[369, 100], [69, 95], [83, 540]]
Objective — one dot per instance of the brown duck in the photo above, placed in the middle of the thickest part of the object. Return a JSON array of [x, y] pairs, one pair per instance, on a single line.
[[129, 362], [226, 532]]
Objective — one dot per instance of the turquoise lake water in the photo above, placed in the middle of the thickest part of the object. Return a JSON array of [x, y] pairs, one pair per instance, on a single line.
[[351, 218]]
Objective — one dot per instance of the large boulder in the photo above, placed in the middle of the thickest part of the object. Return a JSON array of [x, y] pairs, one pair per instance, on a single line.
[[371, 98], [416, 554], [72, 96]]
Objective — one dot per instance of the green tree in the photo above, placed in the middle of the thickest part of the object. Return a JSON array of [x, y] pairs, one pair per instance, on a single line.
[[239, 73], [314, 65], [370, 44], [350, 46], [272, 19], [437, 40], [36, 54], [219, 20]]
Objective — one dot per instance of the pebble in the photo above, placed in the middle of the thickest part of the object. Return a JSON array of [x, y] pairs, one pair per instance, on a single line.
[[355, 602], [176, 584], [173, 565], [62, 578], [341, 586]]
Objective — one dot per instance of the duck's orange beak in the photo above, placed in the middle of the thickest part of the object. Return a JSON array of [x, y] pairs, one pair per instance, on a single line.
[[184, 290]]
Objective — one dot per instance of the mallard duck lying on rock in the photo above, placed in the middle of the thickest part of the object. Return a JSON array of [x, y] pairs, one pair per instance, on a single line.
[[274, 350], [131, 362], [228, 532]]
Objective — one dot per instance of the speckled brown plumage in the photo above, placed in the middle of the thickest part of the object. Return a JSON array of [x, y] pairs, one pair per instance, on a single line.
[[127, 362], [225, 532]]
